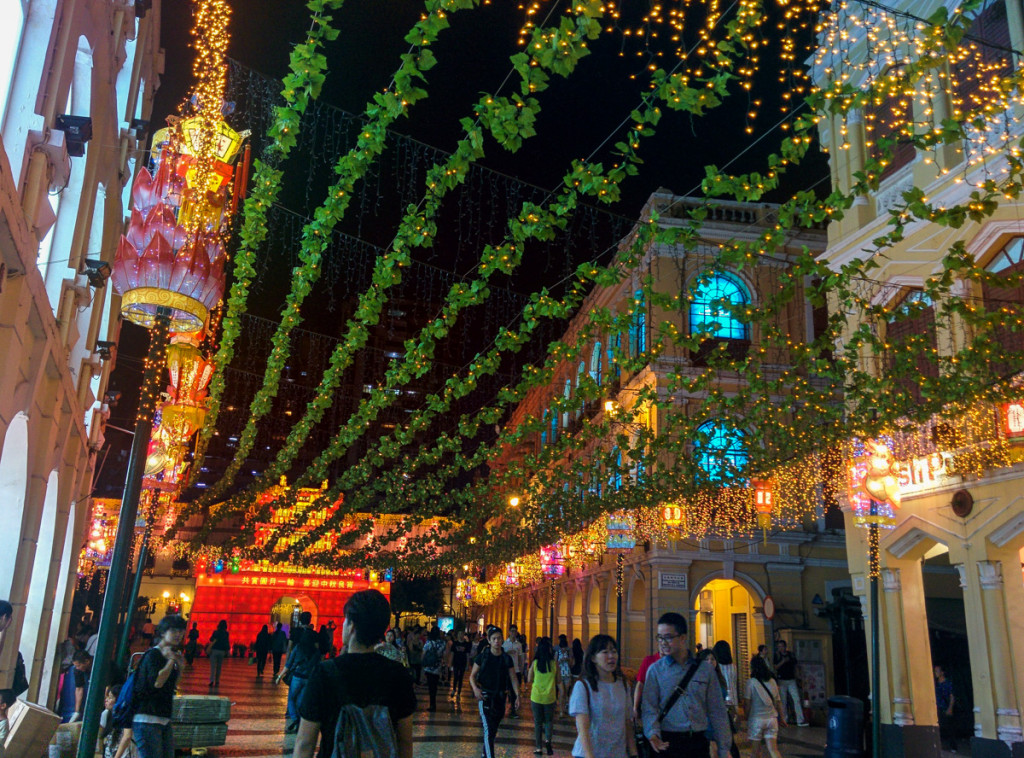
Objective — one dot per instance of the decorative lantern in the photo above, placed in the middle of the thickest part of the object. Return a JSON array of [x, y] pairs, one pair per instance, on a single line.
[[511, 575], [764, 504], [621, 537], [674, 516], [874, 486], [551, 561], [172, 255]]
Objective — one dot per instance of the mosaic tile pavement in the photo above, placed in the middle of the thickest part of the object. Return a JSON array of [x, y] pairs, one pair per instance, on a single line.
[[256, 729]]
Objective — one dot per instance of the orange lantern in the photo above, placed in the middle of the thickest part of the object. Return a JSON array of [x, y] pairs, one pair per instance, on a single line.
[[764, 504], [674, 516]]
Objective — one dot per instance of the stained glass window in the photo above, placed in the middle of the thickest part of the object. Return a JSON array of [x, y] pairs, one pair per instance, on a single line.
[[638, 328], [709, 314], [597, 363], [723, 453]]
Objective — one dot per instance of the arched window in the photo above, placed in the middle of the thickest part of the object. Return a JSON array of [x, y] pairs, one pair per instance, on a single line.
[[581, 371], [911, 331], [544, 430], [1009, 299], [12, 21], [597, 363], [709, 309], [720, 449], [566, 397], [615, 480], [614, 345], [553, 418], [638, 327]]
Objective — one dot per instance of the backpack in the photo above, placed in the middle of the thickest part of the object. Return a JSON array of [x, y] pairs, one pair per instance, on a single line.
[[431, 657], [123, 712], [364, 732]]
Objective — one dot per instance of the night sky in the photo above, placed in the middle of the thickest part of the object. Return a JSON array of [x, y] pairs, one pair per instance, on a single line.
[[580, 117]]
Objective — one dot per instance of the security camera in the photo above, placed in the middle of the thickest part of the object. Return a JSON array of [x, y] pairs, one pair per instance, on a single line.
[[97, 272], [105, 349], [111, 397]]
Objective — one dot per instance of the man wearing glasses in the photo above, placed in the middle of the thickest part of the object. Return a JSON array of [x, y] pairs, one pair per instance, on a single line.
[[682, 731]]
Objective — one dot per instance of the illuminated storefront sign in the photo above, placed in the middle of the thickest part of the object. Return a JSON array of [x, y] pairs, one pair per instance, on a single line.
[[1013, 419]]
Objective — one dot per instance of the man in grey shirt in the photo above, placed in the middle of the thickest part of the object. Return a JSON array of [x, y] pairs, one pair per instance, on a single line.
[[682, 733]]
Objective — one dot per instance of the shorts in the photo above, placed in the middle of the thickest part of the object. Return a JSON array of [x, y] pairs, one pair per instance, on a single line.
[[759, 729]]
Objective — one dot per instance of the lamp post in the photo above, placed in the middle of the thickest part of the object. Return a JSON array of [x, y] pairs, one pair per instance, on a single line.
[[620, 540], [125, 535], [874, 493]]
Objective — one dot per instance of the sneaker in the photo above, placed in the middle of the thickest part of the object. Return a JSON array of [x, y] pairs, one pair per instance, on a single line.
[[803, 724], [547, 745], [537, 751]]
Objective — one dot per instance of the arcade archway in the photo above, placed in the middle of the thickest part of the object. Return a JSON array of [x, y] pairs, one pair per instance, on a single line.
[[726, 609], [287, 609]]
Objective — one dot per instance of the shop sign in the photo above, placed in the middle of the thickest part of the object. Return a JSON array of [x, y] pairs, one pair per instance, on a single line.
[[669, 581], [923, 471], [1013, 419]]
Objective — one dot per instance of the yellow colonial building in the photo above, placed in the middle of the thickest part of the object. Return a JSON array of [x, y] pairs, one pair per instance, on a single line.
[[952, 587], [745, 589]]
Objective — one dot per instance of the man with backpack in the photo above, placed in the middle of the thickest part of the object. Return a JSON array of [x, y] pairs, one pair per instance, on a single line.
[[359, 703]]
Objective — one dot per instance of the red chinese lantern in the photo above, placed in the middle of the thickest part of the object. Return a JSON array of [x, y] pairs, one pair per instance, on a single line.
[[764, 504]]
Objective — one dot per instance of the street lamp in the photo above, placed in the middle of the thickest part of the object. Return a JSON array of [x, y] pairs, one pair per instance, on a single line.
[[514, 501]]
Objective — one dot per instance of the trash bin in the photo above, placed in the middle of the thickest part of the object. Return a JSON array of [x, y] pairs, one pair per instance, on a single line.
[[845, 732]]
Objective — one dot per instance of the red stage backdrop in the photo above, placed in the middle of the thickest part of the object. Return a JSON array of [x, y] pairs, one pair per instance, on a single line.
[[249, 599]]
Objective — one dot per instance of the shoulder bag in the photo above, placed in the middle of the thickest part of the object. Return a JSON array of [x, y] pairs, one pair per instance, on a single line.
[[643, 746]]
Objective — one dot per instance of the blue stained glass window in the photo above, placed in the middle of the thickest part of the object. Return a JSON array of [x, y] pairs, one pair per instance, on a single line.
[[638, 328], [615, 482], [709, 312], [724, 452], [614, 344], [597, 363]]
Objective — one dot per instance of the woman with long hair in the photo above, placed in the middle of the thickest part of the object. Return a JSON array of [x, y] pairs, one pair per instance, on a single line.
[[544, 676], [762, 705], [563, 659], [298, 667], [601, 704], [577, 658], [217, 650]]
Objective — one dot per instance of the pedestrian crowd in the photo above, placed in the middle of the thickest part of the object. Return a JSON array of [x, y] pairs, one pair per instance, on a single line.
[[362, 697]]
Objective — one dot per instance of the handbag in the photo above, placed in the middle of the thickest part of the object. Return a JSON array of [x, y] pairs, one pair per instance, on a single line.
[[643, 745]]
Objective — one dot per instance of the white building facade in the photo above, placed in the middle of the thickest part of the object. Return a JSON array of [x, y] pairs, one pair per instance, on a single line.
[[77, 79]]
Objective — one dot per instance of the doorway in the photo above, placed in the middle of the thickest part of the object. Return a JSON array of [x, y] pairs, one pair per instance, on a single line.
[[287, 609], [725, 611]]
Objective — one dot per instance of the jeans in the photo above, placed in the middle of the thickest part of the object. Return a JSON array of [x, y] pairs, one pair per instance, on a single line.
[[294, 693], [261, 662], [216, 661], [153, 740], [276, 657], [492, 709], [788, 686], [543, 715]]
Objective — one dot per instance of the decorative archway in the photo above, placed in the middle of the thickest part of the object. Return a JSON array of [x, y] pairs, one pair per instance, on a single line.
[[729, 608]]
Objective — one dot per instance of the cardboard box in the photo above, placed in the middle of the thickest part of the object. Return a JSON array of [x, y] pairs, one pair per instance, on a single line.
[[31, 729], [65, 742]]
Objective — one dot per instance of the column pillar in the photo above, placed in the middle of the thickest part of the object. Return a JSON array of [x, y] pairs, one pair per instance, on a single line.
[[899, 685], [862, 210], [1007, 715]]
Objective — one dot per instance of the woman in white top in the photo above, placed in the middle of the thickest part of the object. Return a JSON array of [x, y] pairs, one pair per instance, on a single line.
[[763, 714], [601, 704]]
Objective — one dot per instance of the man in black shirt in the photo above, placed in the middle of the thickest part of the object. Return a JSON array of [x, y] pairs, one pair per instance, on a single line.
[[492, 676], [461, 649], [785, 670], [359, 677]]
